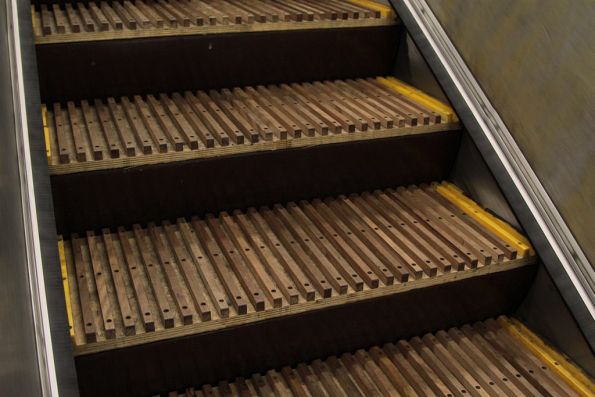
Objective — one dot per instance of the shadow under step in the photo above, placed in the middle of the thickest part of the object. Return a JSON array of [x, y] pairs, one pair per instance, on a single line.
[[166, 46], [483, 359]]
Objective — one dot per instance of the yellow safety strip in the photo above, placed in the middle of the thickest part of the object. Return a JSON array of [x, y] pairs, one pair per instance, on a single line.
[[497, 226], [574, 376], [46, 133], [445, 111], [385, 11], [65, 284], [33, 23]]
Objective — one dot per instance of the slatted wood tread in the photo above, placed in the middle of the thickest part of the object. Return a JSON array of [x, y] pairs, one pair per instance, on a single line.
[[188, 276], [476, 360], [94, 135], [100, 20]]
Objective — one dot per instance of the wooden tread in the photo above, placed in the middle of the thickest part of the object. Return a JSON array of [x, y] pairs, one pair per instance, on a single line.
[[136, 285], [102, 20], [131, 131], [476, 360]]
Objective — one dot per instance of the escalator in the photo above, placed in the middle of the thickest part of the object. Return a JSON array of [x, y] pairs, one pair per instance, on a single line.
[[276, 198]]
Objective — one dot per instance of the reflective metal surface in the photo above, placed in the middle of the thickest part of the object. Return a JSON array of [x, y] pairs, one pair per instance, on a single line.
[[19, 372], [535, 61], [564, 260], [35, 353]]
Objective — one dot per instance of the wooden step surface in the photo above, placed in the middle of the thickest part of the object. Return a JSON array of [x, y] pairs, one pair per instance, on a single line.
[[102, 20], [476, 360], [103, 134], [192, 275]]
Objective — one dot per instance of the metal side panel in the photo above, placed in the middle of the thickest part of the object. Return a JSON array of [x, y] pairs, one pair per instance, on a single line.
[[530, 198], [535, 61], [35, 353]]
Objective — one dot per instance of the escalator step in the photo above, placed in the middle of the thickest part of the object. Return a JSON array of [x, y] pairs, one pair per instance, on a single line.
[[96, 134], [85, 21], [175, 278]]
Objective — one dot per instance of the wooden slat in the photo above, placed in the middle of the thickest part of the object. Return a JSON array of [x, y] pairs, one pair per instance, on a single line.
[[142, 20], [206, 272], [178, 120], [61, 135], [165, 123], [124, 132], [326, 248], [408, 220], [357, 226], [319, 259], [138, 282], [88, 319], [77, 136], [236, 117], [159, 289], [136, 125], [96, 138], [382, 206], [439, 230], [111, 16], [231, 129], [188, 272], [93, 13], [127, 19], [117, 277], [224, 272], [172, 278], [46, 20], [85, 20], [256, 267], [270, 261], [241, 270], [207, 118], [103, 292], [59, 19], [197, 125], [108, 129], [73, 19], [312, 271]]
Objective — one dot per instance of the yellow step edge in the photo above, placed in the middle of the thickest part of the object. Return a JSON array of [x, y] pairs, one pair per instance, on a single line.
[[46, 133], [385, 11], [33, 17], [64, 271], [445, 111], [412, 90], [574, 376], [405, 89], [514, 235], [497, 226]]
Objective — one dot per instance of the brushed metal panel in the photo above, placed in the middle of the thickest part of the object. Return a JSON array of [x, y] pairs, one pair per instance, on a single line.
[[557, 247], [536, 62], [35, 353], [19, 372]]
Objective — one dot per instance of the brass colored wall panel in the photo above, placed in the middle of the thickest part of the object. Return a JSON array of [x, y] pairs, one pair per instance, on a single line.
[[536, 62]]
